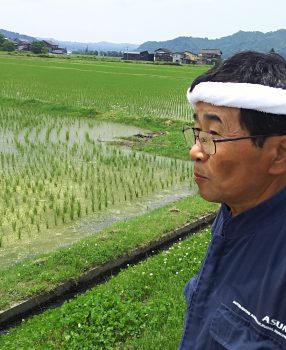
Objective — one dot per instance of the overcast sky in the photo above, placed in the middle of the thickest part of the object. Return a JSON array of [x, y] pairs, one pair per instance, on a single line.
[[137, 21]]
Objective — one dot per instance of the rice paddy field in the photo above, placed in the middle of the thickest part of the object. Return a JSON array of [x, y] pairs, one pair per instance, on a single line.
[[56, 119], [85, 143], [138, 89]]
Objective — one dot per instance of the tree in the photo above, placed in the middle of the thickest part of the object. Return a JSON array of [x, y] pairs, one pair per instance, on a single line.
[[5, 44], [8, 46], [216, 61], [38, 47], [2, 39]]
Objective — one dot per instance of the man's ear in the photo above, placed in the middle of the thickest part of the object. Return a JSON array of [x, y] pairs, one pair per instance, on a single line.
[[278, 165]]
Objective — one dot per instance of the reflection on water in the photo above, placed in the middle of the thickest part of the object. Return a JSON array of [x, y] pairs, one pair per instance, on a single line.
[[72, 131]]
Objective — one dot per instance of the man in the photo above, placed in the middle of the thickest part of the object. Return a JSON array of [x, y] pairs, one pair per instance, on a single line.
[[238, 146]]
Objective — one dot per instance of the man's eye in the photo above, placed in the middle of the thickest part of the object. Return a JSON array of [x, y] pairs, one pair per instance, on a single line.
[[212, 132]]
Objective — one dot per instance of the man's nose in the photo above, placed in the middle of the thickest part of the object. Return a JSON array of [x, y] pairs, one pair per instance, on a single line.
[[197, 153]]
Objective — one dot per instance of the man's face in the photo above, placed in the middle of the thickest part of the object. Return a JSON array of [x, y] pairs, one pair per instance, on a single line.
[[237, 174]]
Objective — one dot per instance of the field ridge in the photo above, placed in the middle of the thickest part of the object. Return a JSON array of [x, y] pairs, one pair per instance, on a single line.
[[94, 276]]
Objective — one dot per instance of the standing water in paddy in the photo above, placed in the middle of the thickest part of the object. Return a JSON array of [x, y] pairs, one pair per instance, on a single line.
[[60, 181]]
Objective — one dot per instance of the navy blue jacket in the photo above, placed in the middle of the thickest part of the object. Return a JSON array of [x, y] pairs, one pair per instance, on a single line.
[[238, 299]]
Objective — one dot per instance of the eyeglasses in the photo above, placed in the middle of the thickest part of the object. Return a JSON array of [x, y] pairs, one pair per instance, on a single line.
[[208, 141]]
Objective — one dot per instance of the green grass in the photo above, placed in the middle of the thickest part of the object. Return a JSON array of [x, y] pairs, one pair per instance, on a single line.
[[141, 308], [48, 270], [145, 90]]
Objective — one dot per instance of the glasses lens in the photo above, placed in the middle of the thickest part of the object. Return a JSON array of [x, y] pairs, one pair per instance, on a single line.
[[189, 136], [207, 143]]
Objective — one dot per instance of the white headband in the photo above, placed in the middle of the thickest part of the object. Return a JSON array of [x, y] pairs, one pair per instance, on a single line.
[[240, 95]]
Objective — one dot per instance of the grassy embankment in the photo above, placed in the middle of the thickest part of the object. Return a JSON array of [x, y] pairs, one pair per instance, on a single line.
[[141, 308], [48, 270]]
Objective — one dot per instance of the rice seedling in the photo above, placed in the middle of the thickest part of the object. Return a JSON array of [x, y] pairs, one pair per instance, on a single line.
[[59, 172]]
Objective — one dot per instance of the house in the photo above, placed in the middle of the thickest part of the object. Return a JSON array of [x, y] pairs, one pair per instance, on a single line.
[[53, 47], [163, 55], [190, 58], [50, 45], [138, 56], [146, 56], [209, 56], [131, 56], [178, 57], [22, 44]]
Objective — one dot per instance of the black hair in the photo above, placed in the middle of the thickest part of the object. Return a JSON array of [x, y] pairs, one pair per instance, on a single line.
[[252, 67]]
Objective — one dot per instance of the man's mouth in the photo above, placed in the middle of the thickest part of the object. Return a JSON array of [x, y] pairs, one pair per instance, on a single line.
[[199, 177], [196, 174]]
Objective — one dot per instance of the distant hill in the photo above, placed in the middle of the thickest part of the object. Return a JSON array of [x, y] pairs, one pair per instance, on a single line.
[[74, 46], [239, 41], [100, 46], [228, 45], [14, 35]]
